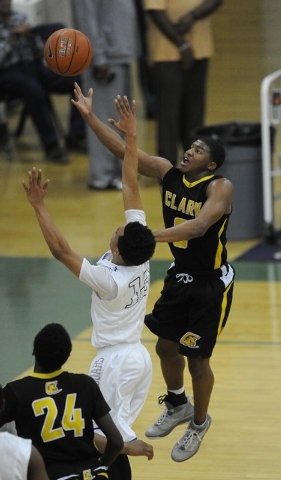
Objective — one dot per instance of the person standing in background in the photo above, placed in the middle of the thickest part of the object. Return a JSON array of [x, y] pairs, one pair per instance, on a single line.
[[180, 45], [113, 30]]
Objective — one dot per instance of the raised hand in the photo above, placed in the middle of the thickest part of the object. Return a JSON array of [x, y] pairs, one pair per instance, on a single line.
[[127, 120], [83, 104], [35, 190]]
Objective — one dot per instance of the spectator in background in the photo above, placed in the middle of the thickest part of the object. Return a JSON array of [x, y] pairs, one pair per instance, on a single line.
[[24, 75], [113, 30], [180, 44]]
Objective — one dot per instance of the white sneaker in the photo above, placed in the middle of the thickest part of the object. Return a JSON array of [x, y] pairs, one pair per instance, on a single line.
[[190, 442], [170, 418]]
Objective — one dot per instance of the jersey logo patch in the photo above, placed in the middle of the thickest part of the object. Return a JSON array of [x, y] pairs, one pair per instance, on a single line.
[[51, 388], [87, 475], [189, 340]]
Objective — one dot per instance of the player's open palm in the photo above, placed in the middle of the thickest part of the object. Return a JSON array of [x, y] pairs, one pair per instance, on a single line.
[[127, 119], [34, 189], [83, 104]]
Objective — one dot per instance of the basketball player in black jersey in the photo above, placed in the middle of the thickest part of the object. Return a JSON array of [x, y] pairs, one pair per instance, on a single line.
[[19, 458], [196, 298], [56, 409]]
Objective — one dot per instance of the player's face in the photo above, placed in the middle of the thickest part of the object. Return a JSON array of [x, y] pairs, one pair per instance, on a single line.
[[197, 159], [115, 236]]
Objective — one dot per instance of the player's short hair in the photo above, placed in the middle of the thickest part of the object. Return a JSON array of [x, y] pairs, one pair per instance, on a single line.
[[217, 151], [52, 347], [137, 244]]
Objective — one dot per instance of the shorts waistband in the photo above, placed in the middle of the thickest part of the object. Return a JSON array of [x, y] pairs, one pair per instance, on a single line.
[[188, 277], [118, 346]]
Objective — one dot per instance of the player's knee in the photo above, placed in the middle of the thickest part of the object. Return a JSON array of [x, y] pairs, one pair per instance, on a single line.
[[199, 366], [166, 349]]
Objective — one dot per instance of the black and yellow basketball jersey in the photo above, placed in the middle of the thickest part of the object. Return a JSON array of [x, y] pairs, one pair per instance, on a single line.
[[56, 411], [182, 201]]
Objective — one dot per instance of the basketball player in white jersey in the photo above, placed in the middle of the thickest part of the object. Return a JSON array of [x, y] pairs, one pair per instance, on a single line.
[[120, 283]]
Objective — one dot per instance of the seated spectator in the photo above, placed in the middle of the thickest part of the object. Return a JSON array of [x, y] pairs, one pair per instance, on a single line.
[[56, 410], [20, 460], [24, 75]]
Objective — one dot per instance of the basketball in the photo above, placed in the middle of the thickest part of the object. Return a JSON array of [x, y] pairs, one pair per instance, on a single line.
[[68, 52]]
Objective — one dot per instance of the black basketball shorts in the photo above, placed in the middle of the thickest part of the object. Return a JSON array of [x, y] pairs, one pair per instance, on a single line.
[[192, 312]]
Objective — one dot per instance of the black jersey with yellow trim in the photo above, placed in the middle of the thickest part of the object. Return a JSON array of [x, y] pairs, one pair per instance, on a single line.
[[56, 411], [182, 201]]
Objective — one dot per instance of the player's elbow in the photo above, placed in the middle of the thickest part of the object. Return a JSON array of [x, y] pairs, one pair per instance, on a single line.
[[61, 253], [198, 230], [57, 252]]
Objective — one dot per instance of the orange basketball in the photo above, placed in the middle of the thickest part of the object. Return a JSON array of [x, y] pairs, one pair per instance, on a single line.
[[68, 52]]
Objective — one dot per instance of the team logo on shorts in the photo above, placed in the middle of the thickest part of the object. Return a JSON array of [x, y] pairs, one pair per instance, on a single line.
[[51, 388], [87, 475], [96, 369], [189, 340]]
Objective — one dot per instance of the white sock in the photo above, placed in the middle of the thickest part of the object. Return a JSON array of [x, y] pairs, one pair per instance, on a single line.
[[199, 427], [177, 392]]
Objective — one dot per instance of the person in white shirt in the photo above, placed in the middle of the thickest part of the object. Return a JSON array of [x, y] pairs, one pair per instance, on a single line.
[[119, 282]]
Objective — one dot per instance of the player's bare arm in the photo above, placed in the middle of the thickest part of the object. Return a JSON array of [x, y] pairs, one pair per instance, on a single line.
[[135, 448], [138, 448], [220, 196], [130, 188], [149, 166], [36, 467], [82, 103], [114, 443], [59, 247]]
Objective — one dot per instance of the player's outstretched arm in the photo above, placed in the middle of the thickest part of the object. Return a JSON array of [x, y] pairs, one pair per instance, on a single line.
[[35, 192], [150, 166], [108, 137], [130, 188], [82, 103]]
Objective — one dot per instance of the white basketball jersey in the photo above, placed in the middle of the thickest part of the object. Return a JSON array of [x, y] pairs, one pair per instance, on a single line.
[[119, 296], [15, 456]]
